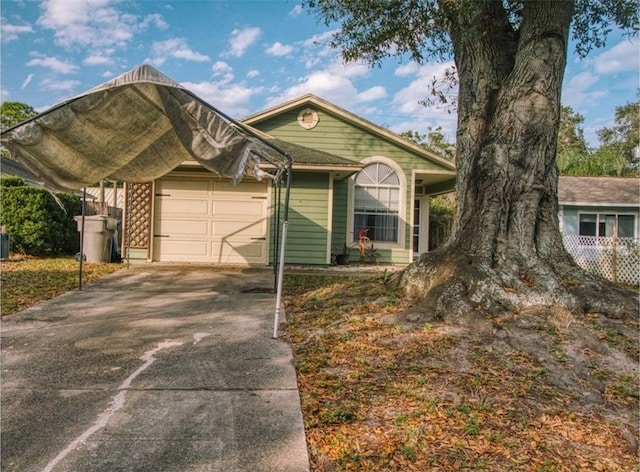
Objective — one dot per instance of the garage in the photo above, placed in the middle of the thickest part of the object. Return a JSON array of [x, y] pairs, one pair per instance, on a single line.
[[209, 220]]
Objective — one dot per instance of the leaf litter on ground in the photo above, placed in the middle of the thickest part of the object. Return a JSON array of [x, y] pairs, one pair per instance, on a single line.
[[27, 280], [521, 392], [530, 392]]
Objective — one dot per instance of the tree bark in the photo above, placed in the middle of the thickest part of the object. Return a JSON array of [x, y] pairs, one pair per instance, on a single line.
[[506, 250]]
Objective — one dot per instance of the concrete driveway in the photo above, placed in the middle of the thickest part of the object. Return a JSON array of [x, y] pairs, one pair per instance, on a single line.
[[153, 368]]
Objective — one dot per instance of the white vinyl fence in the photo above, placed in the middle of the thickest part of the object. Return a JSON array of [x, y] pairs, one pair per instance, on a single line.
[[617, 259], [109, 195]]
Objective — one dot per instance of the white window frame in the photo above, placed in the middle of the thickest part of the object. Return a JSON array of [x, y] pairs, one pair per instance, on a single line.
[[599, 214], [402, 204], [423, 224]]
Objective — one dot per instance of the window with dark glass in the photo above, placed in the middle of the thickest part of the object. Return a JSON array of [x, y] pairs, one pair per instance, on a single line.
[[626, 224], [588, 223], [606, 225]]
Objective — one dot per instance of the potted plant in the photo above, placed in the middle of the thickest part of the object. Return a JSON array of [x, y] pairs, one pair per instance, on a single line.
[[367, 252], [343, 257]]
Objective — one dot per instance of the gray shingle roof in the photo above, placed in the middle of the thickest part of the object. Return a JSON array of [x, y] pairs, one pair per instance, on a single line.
[[601, 191], [11, 167], [305, 155]]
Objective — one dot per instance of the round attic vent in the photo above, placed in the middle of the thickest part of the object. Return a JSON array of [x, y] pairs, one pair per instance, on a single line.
[[308, 118]]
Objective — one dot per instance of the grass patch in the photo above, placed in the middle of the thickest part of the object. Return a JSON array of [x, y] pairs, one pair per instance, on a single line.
[[27, 281]]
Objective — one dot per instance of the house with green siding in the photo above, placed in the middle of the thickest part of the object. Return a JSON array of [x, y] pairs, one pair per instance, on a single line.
[[350, 177]]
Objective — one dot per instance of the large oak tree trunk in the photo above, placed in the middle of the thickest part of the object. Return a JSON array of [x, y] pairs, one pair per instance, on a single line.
[[506, 251]]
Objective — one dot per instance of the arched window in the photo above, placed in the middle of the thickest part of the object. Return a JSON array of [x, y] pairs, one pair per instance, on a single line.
[[377, 202]]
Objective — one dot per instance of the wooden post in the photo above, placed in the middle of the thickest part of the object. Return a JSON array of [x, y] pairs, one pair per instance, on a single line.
[[614, 248]]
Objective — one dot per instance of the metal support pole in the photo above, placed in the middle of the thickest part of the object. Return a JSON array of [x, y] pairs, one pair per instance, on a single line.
[[276, 239], [84, 206], [283, 246], [280, 279]]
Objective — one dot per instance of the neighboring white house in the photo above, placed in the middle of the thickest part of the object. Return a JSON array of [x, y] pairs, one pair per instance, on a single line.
[[600, 223]]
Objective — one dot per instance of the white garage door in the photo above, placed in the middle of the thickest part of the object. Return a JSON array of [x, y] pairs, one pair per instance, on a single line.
[[209, 220]]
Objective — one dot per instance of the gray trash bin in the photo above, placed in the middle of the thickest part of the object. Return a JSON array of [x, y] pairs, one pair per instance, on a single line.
[[98, 233], [4, 246]]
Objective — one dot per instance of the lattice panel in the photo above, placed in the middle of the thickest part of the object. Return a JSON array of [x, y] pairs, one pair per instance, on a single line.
[[139, 195], [617, 259]]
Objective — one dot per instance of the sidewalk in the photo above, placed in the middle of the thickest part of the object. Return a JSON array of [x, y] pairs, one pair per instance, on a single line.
[[154, 368]]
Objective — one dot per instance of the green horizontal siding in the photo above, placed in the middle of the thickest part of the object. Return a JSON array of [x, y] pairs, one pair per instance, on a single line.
[[333, 134], [339, 235], [308, 219], [338, 136]]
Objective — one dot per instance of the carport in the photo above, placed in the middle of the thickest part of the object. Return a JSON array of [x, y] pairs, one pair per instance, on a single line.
[[138, 127]]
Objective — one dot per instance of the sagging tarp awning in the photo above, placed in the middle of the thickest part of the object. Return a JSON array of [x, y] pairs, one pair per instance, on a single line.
[[137, 128], [134, 128]]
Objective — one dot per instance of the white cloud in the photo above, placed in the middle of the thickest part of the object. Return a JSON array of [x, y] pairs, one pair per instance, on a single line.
[[317, 46], [54, 64], [64, 85], [221, 67], [12, 32], [189, 55], [68, 12], [332, 87], [223, 70], [232, 99], [371, 94], [312, 61], [320, 39], [84, 22], [349, 69], [575, 92], [368, 111], [94, 23], [156, 20], [252, 73], [97, 60], [279, 49], [595, 87], [335, 82], [176, 48], [241, 39], [407, 99], [623, 57], [406, 102], [26, 82], [406, 69], [296, 11]]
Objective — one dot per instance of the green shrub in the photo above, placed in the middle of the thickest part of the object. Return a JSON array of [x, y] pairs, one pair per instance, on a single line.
[[11, 181], [442, 210], [37, 224]]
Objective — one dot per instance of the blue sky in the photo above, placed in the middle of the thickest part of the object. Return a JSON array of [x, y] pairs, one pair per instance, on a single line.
[[247, 55]]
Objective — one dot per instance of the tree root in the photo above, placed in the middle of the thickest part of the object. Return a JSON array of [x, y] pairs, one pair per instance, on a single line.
[[455, 287]]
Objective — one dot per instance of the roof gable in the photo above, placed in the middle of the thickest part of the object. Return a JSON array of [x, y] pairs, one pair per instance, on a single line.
[[599, 191], [353, 120]]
